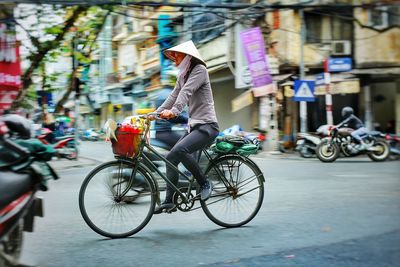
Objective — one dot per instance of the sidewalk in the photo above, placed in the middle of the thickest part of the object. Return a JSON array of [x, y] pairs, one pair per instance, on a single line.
[[292, 155]]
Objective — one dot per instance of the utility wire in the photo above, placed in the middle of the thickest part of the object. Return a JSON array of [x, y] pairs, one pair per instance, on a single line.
[[199, 4]]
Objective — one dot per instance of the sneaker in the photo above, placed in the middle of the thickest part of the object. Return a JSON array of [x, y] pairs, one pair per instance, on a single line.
[[165, 207], [206, 190]]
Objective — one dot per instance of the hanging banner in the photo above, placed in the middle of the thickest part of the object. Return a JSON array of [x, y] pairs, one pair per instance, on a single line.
[[10, 68], [254, 49]]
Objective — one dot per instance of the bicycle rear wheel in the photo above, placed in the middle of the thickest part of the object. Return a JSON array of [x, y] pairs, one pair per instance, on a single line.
[[238, 191], [106, 210]]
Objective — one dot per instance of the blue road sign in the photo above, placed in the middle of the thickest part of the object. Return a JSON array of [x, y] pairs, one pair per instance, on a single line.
[[304, 90], [320, 79], [339, 64]]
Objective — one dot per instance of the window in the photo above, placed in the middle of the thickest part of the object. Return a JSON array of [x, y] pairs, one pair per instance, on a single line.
[[384, 17], [394, 16], [323, 26], [341, 29], [378, 17], [313, 28]]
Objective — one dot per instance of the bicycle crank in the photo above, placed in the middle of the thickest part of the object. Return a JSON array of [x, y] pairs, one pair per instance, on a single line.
[[180, 203]]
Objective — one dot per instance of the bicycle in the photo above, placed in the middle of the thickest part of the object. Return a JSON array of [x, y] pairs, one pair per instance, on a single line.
[[117, 199]]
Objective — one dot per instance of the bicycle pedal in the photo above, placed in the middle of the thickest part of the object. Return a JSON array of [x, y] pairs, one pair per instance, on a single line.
[[170, 210]]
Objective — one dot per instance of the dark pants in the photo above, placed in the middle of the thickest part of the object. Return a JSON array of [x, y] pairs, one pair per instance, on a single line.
[[199, 137], [168, 137]]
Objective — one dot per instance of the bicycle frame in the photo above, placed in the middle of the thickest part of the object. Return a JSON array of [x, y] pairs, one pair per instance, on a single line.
[[142, 158]]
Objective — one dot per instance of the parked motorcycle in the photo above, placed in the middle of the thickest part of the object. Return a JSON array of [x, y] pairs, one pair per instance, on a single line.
[[394, 143], [65, 145], [23, 171], [89, 135], [340, 141], [307, 143]]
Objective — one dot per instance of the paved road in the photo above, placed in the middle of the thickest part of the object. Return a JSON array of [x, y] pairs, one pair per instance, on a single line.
[[341, 214]]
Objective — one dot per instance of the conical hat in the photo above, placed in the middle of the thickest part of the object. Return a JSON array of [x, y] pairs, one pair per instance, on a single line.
[[187, 48]]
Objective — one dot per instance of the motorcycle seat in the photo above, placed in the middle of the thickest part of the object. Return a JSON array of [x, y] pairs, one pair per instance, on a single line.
[[13, 185], [59, 138]]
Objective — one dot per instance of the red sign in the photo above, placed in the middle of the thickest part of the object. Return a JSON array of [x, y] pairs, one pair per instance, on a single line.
[[10, 68]]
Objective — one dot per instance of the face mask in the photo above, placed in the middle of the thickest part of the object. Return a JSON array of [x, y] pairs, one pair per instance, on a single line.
[[183, 67]]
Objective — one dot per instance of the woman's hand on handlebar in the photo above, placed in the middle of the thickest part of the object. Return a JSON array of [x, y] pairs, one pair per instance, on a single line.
[[167, 114], [153, 116]]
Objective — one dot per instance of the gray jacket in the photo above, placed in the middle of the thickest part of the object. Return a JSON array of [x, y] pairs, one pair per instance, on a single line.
[[197, 94]]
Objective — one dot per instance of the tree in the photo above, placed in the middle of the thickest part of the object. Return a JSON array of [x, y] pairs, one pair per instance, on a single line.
[[42, 44], [85, 40]]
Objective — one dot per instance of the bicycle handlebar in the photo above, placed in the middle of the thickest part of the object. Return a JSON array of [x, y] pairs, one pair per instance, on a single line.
[[154, 114]]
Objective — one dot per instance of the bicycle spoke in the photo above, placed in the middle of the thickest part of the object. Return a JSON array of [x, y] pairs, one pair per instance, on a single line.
[[228, 206], [248, 191], [242, 185], [109, 203]]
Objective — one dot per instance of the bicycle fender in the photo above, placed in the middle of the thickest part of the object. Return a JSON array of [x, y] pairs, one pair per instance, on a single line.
[[245, 159]]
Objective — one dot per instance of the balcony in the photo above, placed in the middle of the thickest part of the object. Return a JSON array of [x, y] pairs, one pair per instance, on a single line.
[[150, 58]]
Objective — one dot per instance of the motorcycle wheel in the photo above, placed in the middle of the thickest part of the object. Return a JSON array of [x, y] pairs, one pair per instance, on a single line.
[[382, 154], [71, 151], [10, 246], [326, 153], [305, 153]]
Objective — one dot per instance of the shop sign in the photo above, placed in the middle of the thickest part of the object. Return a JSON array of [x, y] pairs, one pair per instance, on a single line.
[[343, 87], [273, 63], [288, 91], [339, 64], [242, 101], [10, 68], [322, 78], [265, 90], [254, 49]]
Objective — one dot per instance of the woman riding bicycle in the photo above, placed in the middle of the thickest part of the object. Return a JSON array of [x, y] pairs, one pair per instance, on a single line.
[[192, 89]]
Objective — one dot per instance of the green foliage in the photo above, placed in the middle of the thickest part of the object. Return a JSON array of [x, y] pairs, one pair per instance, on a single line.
[[54, 30]]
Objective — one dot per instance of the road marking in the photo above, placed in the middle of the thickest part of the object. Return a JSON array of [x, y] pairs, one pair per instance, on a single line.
[[351, 175]]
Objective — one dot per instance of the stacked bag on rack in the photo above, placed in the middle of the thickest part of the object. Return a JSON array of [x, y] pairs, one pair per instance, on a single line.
[[230, 144]]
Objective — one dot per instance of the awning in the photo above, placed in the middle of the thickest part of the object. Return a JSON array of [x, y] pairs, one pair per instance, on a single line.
[[378, 71], [281, 77], [217, 67], [341, 83], [215, 51]]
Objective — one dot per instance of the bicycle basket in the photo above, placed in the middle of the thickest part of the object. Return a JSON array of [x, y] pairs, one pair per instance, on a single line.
[[127, 140]]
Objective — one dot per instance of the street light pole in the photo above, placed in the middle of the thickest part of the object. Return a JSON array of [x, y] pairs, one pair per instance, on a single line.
[[303, 104], [328, 93], [76, 85]]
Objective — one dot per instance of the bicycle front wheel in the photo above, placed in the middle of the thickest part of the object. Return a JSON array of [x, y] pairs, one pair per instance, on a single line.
[[238, 191], [114, 202]]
